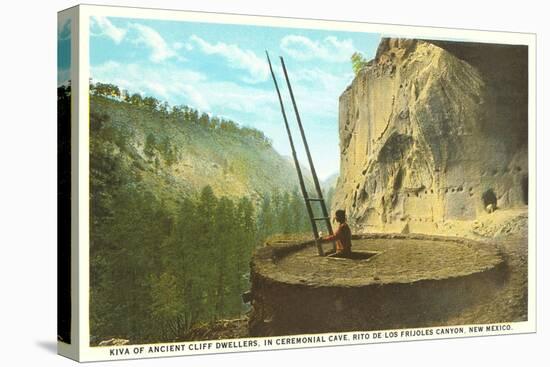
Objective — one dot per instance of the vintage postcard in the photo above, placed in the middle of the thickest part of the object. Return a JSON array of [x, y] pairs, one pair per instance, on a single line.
[[233, 183]]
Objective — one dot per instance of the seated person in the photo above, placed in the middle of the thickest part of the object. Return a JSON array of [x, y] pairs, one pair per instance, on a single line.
[[342, 236]]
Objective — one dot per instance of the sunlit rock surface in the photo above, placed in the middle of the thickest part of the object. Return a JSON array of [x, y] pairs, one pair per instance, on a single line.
[[433, 131]]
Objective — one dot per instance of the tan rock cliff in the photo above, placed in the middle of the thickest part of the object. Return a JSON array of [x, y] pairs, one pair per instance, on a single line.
[[432, 131]]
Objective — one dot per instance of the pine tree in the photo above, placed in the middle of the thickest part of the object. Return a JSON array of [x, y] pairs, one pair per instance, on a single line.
[[266, 219], [286, 224], [150, 146], [225, 247], [205, 241], [246, 243], [298, 213], [358, 62]]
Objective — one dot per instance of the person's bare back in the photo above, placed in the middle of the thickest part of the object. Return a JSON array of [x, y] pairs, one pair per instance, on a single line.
[[342, 236]]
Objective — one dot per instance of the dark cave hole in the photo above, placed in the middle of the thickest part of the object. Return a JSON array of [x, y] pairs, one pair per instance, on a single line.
[[354, 255], [525, 189], [398, 182], [489, 197]]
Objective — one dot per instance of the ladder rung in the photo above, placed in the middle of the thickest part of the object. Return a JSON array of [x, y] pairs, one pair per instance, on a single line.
[[321, 218], [314, 199]]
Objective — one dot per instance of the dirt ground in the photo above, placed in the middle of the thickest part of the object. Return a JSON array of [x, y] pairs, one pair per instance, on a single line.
[[509, 303], [509, 230]]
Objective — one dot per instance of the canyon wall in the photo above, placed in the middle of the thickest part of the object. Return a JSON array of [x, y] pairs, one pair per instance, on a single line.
[[432, 131]]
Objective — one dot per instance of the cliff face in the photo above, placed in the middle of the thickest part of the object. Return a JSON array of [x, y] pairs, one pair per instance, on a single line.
[[433, 131]]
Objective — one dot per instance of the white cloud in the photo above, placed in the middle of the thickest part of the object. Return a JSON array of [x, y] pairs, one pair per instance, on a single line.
[[63, 76], [160, 50], [64, 30], [143, 35], [316, 91], [238, 58], [228, 96], [169, 83], [195, 98], [108, 29], [181, 45], [330, 49], [180, 86], [319, 78]]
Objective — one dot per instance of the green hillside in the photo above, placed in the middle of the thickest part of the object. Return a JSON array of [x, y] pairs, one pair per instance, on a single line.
[[179, 200], [173, 157]]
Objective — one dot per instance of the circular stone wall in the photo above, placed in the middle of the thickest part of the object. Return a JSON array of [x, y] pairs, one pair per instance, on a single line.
[[396, 281]]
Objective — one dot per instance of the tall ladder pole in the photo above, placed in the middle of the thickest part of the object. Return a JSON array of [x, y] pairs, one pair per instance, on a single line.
[[297, 164], [310, 160]]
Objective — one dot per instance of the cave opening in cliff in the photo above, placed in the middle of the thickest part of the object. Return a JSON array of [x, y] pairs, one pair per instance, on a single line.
[[525, 189], [489, 197]]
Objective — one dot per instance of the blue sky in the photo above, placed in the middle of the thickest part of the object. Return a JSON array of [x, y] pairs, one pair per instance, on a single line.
[[221, 69], [63, 51]]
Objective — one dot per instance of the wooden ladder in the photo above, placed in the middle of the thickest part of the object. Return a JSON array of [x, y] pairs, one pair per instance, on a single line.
[[308, 200]]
